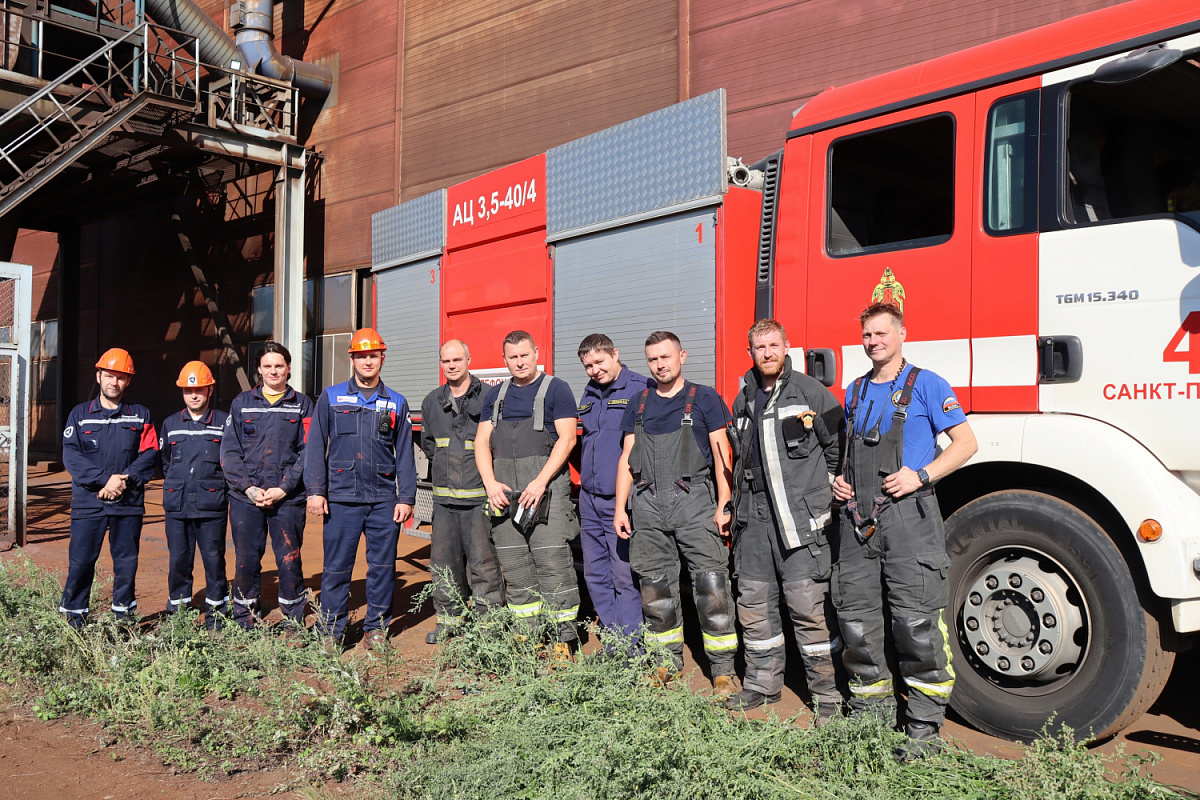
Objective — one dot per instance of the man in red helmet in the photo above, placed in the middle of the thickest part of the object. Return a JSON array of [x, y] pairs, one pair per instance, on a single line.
[[110, 450], [361, 475], [195, 499]]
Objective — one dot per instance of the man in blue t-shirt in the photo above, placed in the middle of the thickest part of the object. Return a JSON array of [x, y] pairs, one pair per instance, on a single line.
[[892, 540], [526, 433], [676, 463]]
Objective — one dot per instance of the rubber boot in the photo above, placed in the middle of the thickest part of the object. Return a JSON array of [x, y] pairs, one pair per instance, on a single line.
[[924, 740]]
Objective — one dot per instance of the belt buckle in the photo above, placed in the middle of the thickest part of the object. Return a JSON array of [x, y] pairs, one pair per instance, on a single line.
[[865, 531]]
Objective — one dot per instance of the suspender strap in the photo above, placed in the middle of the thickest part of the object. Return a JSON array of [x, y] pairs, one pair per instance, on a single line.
[[499, 415], [858, 382], [687, 405], [896, 432], [691, 458], [635, 455], [539, 404]]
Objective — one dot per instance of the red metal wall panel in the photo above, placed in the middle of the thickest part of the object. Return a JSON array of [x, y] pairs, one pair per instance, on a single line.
[[772, 56]]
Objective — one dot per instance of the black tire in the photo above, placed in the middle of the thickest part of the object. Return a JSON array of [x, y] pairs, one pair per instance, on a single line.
[[1094, 665]]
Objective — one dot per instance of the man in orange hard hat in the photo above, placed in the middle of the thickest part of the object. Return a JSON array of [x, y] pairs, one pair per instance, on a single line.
[[195, 499], [361, 475], [110, 450]]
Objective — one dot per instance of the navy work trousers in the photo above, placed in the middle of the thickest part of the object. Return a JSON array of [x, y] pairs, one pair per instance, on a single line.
[[250, 526], [606, 569], [184, 536], [346, 524], [87, 535]]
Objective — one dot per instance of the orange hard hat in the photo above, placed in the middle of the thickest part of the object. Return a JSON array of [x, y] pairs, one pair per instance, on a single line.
[[365, 340], [194, 374], [116, 360]]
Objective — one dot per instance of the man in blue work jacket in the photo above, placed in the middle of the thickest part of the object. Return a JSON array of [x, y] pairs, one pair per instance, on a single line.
[[361, 475], [195, 499], [611, 387], [110, 450], [262, 454]]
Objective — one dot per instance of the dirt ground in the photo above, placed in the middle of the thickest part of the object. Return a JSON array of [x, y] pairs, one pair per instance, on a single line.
[[76, 759]]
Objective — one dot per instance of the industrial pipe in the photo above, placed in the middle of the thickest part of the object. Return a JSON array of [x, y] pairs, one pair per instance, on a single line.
[[254, 23], [216, 47], [741, 175]]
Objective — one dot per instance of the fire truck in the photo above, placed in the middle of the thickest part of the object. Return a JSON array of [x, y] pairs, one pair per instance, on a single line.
[[1033, 204]]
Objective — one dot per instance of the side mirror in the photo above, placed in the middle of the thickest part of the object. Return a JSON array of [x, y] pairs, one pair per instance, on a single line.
[[1137, 64]]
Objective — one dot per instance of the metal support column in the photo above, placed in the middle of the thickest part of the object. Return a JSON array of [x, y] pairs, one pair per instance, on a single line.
[[289, 260]]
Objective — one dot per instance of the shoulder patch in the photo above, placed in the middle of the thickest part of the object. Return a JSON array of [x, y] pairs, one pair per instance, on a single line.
[[229, 420], [583, 409], [950, 404], [69, 432]]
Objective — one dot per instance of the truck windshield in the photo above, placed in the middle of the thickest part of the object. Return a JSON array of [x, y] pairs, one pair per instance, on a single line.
[[1133, 149]]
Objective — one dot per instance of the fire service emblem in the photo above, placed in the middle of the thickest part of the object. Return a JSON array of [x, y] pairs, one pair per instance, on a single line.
[[889, 290]]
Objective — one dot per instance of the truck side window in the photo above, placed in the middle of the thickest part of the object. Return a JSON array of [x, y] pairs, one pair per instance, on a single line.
[[1131, 147], [1011, 172], [892, 188]]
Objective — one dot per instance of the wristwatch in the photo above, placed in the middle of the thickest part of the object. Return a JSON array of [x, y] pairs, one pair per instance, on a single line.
[[924, 476]]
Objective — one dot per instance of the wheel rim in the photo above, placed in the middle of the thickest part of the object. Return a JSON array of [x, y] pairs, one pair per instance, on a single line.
[[1023, 620]]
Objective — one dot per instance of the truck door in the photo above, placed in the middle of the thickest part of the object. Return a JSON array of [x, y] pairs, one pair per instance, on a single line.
[[890, 221]]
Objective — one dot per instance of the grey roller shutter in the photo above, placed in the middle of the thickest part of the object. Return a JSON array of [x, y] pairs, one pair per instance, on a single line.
[[406, 315], [630, 281]]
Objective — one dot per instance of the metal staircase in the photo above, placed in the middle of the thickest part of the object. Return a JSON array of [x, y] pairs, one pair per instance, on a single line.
[[49, 130], [83, 116]]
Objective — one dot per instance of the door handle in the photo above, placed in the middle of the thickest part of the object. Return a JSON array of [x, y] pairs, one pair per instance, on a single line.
[[820, 363], [1060, 359]]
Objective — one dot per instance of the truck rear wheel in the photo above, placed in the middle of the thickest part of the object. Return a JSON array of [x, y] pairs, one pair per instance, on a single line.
[[1047, 621]]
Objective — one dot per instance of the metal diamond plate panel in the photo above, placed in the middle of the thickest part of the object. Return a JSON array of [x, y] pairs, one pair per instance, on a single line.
[[661, 160], [416, 229]]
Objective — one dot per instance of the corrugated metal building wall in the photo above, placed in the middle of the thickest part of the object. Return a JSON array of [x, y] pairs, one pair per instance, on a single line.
[[429, 94]]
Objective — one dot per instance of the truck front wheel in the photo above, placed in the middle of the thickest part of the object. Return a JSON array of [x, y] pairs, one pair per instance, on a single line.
[[1047, 622]]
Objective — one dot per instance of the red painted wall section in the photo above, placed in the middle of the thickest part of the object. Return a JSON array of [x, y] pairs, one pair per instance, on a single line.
[[738, 221]]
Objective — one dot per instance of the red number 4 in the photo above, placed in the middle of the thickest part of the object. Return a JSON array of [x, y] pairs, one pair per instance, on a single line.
[[1190, 356]]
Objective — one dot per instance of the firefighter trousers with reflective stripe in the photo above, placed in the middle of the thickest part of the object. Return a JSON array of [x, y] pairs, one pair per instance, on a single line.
[[250, 526], [655, 554], [87, 535], [906, 558], [184, 536], [347, 523], [462, 562], [765, 570]]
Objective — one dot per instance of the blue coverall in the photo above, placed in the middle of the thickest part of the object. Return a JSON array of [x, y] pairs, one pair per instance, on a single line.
[[263, 446], [98, 443], [360, 459], [195, 502], [606, 568]]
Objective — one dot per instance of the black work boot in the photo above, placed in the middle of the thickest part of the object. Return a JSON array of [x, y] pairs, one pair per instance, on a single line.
[[923, 741], [435, 634], [747, 699]]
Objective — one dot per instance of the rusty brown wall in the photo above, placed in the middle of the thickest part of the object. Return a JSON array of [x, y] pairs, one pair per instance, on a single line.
[[495, 81], [772, 55]]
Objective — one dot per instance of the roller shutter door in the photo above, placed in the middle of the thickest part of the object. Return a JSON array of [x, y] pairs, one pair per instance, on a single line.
[[630, 281], [406, 315]]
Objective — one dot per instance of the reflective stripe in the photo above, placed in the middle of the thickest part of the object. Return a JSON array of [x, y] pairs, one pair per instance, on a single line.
[[525, 609], [820, 522], [469, 444], [63, 610], [217, 603], [441, 441], [241, 601], [124, 609], [720, 644], [289, 410], [666, 637], [113, 420], [774, 470], [564, 614], [293, 601], [762, 645], [823, 648], [932, 689], [448, 620], [205, 432], [871, 689], [946, 643], [180, 602], [446, 491]]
